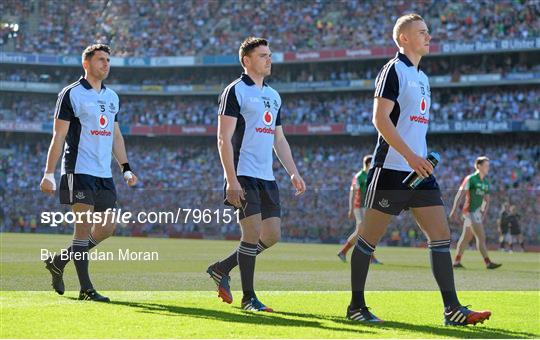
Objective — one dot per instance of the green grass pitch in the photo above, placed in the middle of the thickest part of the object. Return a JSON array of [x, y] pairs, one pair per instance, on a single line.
[[306, 284]]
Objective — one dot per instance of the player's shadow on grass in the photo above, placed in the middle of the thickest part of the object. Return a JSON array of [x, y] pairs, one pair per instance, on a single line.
[[446, 331], [262, 318]]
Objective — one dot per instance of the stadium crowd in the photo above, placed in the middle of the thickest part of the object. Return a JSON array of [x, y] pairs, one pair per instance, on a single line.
[[168, 170], [498, 103], [151, 28], [300, 73], [189, 175]]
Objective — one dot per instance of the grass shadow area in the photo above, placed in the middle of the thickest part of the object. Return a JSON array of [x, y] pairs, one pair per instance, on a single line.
[[444, 331], [243, 317]]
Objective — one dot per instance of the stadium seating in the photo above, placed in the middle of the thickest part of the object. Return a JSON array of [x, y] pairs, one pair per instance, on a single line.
[[351, 108], [210, 27], [294, 25], [189, 176]]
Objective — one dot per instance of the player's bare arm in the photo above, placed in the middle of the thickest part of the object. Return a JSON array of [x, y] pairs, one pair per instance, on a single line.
[[226, 127], [457, 201], [119, 152], [284, 154], [60, 130], [351, 200], [382, 108]]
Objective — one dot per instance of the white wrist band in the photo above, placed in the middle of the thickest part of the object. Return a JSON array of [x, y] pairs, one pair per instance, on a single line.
[[49, 176]]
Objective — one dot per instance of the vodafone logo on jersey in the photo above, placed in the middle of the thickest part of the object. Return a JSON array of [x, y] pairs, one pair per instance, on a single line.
[[268, 118], [100, 133], [419, 119], [423, 106], [269, 131], [103, 121]]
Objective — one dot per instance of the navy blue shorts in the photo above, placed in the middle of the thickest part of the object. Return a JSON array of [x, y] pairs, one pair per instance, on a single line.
[[261, 197], [82, 188], [515, 229], [386, 192]]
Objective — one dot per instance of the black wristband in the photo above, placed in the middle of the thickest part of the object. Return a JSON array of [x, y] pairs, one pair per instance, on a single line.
[[125, 167]]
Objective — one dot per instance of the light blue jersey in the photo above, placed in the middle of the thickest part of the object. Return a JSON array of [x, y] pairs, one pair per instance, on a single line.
[[408, 87], [89, 140], [258, 113]]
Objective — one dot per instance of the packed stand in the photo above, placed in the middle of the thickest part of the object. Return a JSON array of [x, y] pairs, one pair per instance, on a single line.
[[13, 15], [502, 103], [189, 175], [353, 24], [208, 27]]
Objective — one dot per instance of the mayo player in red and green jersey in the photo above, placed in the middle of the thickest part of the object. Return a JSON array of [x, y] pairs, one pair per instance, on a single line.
[[356, 207], [475, 189]]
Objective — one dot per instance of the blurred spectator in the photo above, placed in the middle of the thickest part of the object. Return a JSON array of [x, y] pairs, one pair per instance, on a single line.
[[202, 27], [480, 103], [188, 174]]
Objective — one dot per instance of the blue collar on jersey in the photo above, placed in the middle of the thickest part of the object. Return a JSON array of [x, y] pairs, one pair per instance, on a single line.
[[87, 85], [249, 82], [406, 60]]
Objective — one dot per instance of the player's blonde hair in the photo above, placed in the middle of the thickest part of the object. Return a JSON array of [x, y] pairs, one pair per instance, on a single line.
[[403, 22], [480, 160]]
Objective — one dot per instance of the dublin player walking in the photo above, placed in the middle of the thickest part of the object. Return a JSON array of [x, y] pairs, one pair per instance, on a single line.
[[249, 127]]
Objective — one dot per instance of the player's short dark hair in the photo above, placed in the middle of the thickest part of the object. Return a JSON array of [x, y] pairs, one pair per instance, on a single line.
[[90, 50], [367, 160], [249, 45], [480, 160]]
